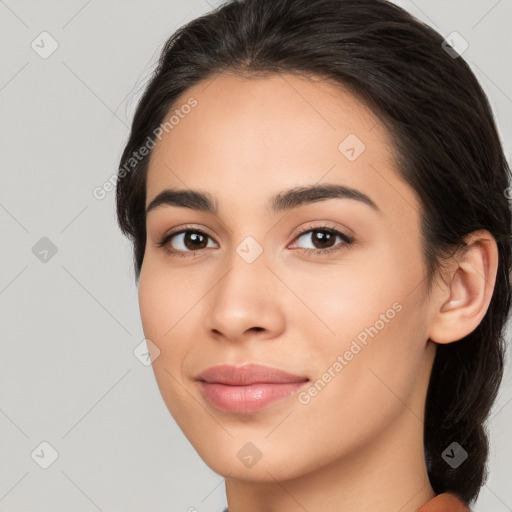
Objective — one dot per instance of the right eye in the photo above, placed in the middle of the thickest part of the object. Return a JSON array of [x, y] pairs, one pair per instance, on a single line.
[[184, 241]]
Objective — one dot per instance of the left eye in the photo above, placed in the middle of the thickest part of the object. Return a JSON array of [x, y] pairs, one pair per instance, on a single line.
[[323, 239]]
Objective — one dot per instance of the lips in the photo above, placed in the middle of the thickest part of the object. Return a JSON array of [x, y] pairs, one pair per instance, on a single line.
[[246, 389], [247, 374]]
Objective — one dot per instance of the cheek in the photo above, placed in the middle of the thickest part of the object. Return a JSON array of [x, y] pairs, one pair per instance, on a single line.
[[369, 326], [162, 306], [382, 351], [163, 302], [164, 298], [362, 387], [344, 300]]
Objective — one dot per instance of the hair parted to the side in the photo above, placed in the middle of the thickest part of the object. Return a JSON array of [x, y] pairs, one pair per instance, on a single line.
[[446, 147]]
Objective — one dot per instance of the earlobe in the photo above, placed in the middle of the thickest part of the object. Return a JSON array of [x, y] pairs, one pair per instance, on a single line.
[[460, 307]]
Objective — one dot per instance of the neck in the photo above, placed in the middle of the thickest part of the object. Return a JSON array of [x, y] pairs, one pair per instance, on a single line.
[[388, 475]]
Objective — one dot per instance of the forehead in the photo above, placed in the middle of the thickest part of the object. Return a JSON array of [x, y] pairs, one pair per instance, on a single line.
[[249, 137]]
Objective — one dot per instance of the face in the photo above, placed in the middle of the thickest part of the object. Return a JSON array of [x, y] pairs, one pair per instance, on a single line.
[[328, 286]]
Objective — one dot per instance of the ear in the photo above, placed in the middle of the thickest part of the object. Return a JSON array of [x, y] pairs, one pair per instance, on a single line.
[[461, 303]]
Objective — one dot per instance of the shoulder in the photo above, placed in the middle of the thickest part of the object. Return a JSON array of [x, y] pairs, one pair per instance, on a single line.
[[445, 502]]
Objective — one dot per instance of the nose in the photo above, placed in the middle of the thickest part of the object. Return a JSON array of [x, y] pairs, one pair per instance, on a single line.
[[245, 302]]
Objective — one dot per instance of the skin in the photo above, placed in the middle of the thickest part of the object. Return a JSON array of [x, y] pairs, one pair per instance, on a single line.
[[358, 444]]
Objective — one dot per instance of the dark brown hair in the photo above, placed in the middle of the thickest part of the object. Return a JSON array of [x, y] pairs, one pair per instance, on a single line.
[[446, 148]]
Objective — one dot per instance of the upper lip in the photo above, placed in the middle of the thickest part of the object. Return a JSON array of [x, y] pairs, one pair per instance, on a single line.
[[246, 375]]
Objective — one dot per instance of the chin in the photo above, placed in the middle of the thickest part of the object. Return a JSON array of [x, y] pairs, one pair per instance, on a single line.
[[258, 461]]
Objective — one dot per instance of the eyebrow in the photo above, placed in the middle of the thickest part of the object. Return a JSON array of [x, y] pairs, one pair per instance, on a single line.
[[283, 201]]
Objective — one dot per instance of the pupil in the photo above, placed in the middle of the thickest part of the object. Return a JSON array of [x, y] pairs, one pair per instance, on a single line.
[[323, 236], [195, 239]]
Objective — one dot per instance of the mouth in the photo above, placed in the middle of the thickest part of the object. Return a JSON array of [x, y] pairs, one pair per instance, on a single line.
[[247, 388]]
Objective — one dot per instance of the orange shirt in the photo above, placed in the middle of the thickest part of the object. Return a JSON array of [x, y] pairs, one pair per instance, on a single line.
[[445, 502]]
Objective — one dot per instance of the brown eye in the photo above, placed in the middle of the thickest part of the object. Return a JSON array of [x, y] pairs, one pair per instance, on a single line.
[[185, 241], [193, 240], [323, 239]]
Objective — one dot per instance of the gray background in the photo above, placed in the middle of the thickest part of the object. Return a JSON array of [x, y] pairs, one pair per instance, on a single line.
[[70, 324]]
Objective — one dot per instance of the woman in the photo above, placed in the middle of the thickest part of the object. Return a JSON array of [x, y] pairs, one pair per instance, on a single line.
[[316, 194]]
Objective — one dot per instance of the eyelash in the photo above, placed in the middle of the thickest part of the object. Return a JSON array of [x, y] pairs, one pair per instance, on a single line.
[[347, 240]]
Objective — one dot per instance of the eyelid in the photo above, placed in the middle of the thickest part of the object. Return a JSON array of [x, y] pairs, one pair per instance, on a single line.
[[187, 227], [324, 225]]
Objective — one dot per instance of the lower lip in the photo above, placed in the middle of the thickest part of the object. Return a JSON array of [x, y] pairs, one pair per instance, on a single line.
[[249, 398]]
